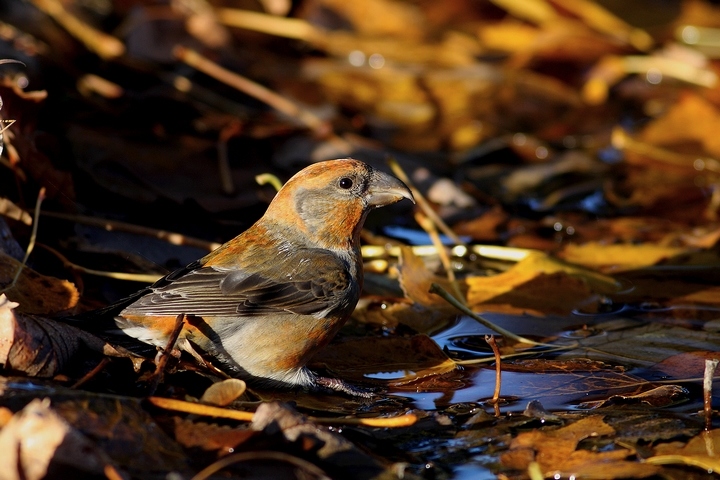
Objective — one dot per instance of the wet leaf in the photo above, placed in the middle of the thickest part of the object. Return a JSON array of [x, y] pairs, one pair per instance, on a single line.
[[662, 396], [279, 419], [700, 451], [555, 450], [396, 361]]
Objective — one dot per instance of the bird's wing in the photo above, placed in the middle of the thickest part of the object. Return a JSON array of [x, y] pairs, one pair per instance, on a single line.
[[309, 281]]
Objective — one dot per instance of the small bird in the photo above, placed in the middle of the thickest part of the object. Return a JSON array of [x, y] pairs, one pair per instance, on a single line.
[[265, 302]]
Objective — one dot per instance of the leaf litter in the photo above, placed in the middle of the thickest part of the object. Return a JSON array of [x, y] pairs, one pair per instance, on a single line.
[[572, 147]]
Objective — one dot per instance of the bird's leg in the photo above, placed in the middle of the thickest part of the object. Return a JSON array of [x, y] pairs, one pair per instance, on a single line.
[[338, 385]]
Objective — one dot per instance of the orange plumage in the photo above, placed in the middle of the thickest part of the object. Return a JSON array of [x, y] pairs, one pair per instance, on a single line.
[[266, 301]]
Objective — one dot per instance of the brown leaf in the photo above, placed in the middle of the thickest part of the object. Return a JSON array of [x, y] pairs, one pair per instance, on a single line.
[[692, 119], [662, 396], [210, 436], [521, 290], [415, 281], [41, 347], [37, 442], [276, 418], [555, 450], [627, 256], [685, 364], [419, 318], [403, 360], [36, 293], [225, 392], [700, 451]]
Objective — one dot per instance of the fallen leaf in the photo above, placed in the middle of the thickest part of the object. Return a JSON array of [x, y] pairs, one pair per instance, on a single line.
[[208, 436], [679, 125], [662, 396], [627, 256], [555, 450], [36, 293], [41, 347], [396, 360], [225, 392], [701, 451], [37, 443]]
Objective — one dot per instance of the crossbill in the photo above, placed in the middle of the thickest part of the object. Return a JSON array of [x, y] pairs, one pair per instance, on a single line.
[[265, 302]]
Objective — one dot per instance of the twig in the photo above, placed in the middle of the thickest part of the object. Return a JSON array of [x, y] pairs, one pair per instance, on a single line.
[[33, 237], [213, 468], [710, 366], [111, 225], [423, 203], [218, 412], [104, 45], [226, 180], [164, 354], [132, 277], [438, 290], [92, 373], [265, 178], [255, 90], [429, 227], [294, 28], [498, 367]]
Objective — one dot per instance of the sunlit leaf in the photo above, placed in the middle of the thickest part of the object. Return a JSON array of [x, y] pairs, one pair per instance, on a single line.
[[700, 451]]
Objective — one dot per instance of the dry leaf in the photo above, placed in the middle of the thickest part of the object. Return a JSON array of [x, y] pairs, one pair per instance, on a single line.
[[37, 443], [619, 257], [415, 281], [225, 392], [692, 119], [210, 436], [41, 347], [536, 285], [36, 293]]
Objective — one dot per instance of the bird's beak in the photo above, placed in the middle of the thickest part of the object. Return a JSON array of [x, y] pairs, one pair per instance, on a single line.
[[385, 189]]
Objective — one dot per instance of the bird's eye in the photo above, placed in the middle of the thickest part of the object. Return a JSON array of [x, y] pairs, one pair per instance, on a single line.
[[346, 183]]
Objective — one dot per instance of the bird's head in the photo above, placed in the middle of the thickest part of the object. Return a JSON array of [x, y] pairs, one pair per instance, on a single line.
[[328, 201]]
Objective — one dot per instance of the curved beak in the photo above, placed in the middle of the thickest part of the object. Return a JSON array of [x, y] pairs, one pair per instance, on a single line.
[[385, 189]]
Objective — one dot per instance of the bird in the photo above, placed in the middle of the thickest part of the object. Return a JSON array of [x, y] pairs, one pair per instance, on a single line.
[[264, 303]]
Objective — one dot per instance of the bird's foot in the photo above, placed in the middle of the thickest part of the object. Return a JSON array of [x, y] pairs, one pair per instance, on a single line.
[[338, 385]]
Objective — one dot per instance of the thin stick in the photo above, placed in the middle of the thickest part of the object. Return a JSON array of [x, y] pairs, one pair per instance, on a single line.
[[92, 373], [166, 352], [218, 412], [311, 468], [429, 227], [101, 43], [132, 277], [255, 90], [438, 290], [33, 237], [710, 366], [294, 28], [498, 367], [423, 203], [111, 225]]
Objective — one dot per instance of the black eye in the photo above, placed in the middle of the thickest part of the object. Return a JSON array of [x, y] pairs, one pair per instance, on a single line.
[[346, 183]]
